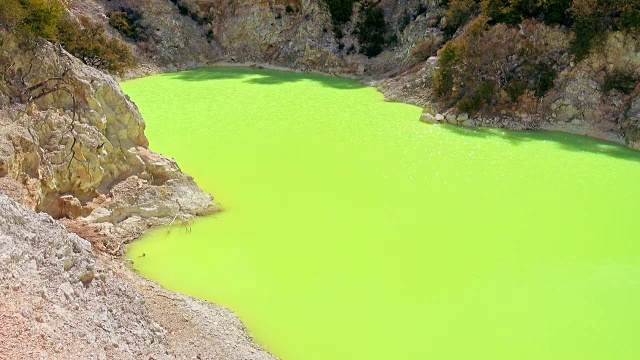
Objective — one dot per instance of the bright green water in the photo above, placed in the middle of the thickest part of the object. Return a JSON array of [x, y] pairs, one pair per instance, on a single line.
[[353, 231]]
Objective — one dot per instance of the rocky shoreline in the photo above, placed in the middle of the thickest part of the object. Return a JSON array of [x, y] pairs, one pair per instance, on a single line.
[[59, 299], [73, 149]]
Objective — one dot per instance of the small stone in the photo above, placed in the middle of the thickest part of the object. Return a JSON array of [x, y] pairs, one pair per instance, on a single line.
[[87, 277], [439, 117], [428, 118], [26, 313], [451, 119], [68, 264], [67, 290]]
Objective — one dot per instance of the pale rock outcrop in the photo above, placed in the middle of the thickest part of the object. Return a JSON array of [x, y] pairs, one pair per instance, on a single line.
[[69, 137], [59, 300]]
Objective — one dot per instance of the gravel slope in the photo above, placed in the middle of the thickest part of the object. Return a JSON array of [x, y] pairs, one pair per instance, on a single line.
[[59, 300]]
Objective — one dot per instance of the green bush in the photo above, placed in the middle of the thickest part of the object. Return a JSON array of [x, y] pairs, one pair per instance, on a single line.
[[555, 12], [589, 26], [88, 42], [515, 89], [11, 13], [458, 14], [480, 95], [405, 20], [513, 12], [593, 18], [492, 67], [444, 80], [629, 18], [35, 17], [127, 22], [622, 81], [341, 10], [372, 29], [589, 20]]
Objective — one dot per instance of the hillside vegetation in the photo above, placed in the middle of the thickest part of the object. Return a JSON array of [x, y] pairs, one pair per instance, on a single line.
[[499, 55], [83, 38]]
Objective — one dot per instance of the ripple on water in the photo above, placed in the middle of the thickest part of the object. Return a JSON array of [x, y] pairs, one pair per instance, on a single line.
[[353, 231]]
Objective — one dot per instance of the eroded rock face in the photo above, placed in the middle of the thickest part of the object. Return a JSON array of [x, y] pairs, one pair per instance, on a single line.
[[299, 35], [69, 137], [189, 33]]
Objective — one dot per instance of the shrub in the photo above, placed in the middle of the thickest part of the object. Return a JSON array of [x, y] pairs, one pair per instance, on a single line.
[[210, 35], [622, 81], [555, 11], [128, 23], [426, 49], [458, 14], [88, 42], [11, 13], [35, 17], [405, 20], [340, 10], [593, 18], [512, 12], [479, 96], [337, 32], [629, 18], [372, 29], [422, 8], [492, 67], [589, 26], [444, 80], [515, 89]]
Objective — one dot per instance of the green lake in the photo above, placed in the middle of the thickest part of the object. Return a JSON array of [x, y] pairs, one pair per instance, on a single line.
[[351, 230]]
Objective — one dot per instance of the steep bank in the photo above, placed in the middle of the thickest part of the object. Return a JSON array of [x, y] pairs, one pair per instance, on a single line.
[[61, 300]]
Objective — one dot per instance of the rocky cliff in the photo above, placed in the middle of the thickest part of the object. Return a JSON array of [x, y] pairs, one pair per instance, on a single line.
[[185, 34], [72, 145], [302, 35]]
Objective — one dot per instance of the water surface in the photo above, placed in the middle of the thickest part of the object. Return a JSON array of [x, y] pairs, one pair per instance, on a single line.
[[353, 231]]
